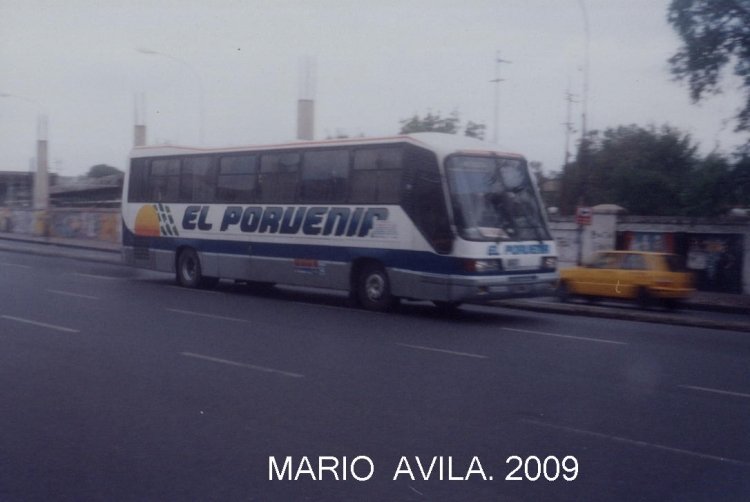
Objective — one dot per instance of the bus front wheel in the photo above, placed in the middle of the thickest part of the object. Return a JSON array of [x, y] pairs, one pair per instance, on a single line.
[[374, 288]]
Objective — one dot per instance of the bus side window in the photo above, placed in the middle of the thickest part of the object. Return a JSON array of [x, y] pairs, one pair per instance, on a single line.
[[324, 176], [238, 179], [278, 177], [138, 183], [197, 180], [165, 180], [424, 200], [376, 176]]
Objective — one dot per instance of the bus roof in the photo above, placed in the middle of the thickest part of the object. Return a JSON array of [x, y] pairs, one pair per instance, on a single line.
[[441, 143]]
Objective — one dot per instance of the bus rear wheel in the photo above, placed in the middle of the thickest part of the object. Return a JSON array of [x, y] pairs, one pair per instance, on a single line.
[[189, 272], [374, 288]]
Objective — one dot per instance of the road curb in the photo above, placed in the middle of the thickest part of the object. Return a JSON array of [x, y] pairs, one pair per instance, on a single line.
[[608, 313], [56, 250]]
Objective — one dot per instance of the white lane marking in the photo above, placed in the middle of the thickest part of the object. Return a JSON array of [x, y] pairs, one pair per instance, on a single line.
[[340, 308], [6, 264], [716, 391], [69, 293], [415, 490], [557, 335], [209, 316], [41, 324], [636, 442], [101, 277], [242, 365], [444, 351]]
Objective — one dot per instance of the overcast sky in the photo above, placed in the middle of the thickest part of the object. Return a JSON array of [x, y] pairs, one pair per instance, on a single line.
[[376, 64]]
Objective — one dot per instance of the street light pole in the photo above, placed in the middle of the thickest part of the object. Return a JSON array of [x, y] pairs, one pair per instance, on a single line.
[[496, 81], [198, 79]]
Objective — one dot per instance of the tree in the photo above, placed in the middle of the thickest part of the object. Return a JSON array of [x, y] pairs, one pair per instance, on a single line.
[[101, 170], [715, 34], [434, 122], [474, 130], [739, 182], [644, 170], [707, 190]]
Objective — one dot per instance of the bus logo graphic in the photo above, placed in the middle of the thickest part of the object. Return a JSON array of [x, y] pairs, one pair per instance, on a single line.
[[155, 220]]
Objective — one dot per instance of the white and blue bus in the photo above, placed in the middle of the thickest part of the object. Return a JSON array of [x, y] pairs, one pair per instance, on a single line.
[[425, 216]]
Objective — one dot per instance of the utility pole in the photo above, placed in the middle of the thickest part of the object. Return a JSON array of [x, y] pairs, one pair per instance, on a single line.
[[585, 94], [570, 98], [496, 81]]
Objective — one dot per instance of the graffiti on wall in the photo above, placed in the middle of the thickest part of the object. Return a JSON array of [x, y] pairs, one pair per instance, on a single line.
[[102, 226], [650, 241], [90, 224], [18, 221]]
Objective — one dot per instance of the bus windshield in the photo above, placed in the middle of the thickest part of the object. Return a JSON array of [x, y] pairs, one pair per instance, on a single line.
[[493, 199]]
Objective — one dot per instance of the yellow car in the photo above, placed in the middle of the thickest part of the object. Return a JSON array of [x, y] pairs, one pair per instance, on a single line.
[[630, 275]]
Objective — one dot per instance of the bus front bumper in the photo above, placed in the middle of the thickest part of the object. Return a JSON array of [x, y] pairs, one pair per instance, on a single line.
[[474, 289], [482, 290]]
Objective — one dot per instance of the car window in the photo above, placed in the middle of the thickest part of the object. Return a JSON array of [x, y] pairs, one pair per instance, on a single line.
[[606, 260], [634, 262]]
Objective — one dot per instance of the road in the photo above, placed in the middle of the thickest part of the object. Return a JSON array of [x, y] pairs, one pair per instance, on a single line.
[[118, 385]]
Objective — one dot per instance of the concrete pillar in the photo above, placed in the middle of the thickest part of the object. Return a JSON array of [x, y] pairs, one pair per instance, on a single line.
[[41, 180], [306, 119], [306, 101], [601, 235], [139, 130], [139, 135]]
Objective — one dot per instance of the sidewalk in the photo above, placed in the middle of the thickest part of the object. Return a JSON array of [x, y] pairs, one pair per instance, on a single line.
[[109, 252]]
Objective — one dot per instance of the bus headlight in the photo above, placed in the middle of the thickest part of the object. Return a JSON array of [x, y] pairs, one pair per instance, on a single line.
[[549, 263], [483, 266]]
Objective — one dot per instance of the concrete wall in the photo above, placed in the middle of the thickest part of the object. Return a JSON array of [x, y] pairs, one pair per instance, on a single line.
[[87, 224]]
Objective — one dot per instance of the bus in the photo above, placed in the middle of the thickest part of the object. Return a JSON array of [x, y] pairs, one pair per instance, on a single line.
[[425, 216]]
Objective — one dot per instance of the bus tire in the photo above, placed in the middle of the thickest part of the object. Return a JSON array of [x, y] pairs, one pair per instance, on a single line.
[[374, 288], [189, 273]]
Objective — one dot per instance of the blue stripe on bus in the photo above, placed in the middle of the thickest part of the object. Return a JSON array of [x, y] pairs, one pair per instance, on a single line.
[[418, 261]]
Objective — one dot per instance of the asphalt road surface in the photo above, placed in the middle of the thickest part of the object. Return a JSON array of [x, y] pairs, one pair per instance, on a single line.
[[118, 385]]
